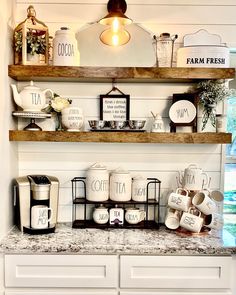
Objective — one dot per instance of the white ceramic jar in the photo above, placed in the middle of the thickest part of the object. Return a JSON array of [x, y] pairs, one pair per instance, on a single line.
[[72, 118], [120, 186], [158, 124], [101, 215], [139, 189], [65, 49], [97, 183]]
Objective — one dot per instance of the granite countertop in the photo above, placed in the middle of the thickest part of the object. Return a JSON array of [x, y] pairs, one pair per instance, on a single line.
[[66, 240]]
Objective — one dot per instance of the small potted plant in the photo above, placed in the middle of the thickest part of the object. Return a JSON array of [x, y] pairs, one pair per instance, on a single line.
[[210, 93], [31, 41], [36, 44]]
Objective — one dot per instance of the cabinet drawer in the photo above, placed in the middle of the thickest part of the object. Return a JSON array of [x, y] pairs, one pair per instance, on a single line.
[[89, 271], [182, 292], [187, 272], [80, 292]]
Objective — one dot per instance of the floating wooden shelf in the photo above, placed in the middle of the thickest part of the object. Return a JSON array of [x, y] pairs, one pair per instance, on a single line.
[[120, 137], [103, 74]]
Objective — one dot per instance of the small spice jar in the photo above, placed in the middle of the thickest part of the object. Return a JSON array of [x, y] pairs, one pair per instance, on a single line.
[[220, 123]]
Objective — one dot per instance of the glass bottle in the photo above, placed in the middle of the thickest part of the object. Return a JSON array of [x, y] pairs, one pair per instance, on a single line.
[[164, 49]]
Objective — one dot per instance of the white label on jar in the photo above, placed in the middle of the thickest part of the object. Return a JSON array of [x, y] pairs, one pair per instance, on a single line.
[[99, 185], [120, 187], [65, 49]]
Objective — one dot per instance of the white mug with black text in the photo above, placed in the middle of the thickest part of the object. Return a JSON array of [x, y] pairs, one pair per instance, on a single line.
[[40, 216]]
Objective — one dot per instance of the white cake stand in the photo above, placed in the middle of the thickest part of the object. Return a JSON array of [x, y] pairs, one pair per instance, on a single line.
[[32, 116]]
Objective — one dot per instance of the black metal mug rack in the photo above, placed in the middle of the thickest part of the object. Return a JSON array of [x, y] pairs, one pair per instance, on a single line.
[[83, 219]]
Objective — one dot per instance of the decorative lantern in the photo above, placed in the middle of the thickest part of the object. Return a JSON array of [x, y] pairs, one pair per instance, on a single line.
[[31, 41]]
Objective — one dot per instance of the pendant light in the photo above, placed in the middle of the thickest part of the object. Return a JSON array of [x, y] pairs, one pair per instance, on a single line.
[[116, 19]]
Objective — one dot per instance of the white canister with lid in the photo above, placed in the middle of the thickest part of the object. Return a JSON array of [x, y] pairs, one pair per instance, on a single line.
[[97, 183], [139, 189], [65, 49], [120, 186]]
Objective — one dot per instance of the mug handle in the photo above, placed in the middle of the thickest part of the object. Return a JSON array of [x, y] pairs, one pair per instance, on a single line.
[[142, 216], [194, 209], [50, 211], [207, 180], [182, 190], [192, 166]]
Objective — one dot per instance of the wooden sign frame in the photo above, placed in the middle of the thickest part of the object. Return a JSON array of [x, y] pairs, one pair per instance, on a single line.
[[192, 97], [114, 107]]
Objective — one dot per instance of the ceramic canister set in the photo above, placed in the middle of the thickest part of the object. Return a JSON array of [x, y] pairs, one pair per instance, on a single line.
[[117, 186], [194, 206]]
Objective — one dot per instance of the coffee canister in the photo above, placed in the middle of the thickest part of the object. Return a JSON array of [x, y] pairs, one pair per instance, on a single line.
[[97, 183], [65, 49], [120, 186]]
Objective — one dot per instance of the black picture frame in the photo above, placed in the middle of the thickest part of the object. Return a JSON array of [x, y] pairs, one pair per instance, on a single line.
[[114, 107]]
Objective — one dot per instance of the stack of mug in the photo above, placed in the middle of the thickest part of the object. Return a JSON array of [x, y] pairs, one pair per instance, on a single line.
[[194, 206]]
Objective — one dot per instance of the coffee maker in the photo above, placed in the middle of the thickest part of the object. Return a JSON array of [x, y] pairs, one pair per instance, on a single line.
[[31, 191]]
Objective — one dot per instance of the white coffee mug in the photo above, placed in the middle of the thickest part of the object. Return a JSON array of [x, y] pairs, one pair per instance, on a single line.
[[214, 221], [191, 222], [172, 219], [178, 201], [134, 215], [194, 178], [40, 216], [218, 198], [204, 203]]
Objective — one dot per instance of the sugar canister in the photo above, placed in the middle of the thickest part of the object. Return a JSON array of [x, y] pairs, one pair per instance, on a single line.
[[97, 183]]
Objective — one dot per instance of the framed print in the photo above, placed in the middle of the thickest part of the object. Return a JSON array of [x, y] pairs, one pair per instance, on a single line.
[[114, 107]]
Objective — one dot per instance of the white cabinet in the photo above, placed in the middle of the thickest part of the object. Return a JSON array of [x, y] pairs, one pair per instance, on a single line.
[[66, 292], [81, 271], [101, 275], [175, 272], [176, 293]]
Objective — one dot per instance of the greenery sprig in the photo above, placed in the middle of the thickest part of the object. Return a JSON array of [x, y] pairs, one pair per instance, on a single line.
[[36, 44], [210, 93]]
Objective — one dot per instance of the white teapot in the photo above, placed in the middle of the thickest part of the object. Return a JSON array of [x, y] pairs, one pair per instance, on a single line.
[[31, 98]]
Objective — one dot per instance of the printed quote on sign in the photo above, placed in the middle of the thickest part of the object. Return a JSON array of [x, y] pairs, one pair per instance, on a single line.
[[114, 109]]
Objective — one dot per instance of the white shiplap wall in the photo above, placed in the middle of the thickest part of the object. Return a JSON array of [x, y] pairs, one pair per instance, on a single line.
[[66, 160]]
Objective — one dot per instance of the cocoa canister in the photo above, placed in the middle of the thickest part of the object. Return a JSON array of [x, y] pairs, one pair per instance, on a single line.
[[97, 183], [65, 49], [120, 186]]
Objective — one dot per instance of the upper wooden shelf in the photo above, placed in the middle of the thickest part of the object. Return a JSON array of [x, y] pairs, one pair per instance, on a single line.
[[120, 137], [103, 74]]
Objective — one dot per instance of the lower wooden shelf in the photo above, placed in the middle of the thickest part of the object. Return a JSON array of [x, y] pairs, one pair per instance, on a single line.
[[91, 224], [121, 137]]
